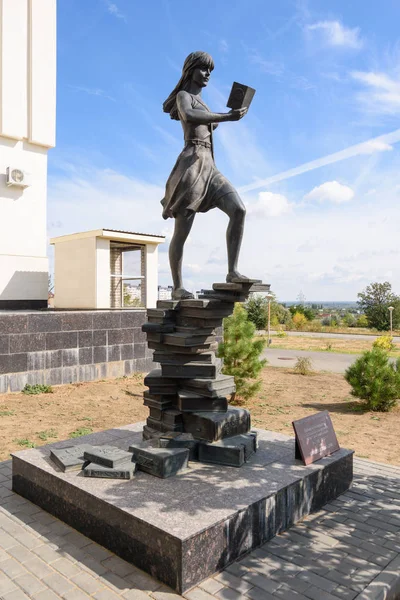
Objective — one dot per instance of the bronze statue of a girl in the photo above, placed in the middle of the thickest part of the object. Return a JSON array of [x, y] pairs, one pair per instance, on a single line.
[[195, 184]]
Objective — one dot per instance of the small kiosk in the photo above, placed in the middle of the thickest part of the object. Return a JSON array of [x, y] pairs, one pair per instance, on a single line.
[[106, 269]]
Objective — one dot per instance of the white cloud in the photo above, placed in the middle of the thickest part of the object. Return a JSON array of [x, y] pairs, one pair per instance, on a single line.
[[300, 250], [375, 146], [223, 46], [336, 34], [269, 205], [378, 144], [382, 95], [330, 191], [91, 91], [91, 198], [114, 10]]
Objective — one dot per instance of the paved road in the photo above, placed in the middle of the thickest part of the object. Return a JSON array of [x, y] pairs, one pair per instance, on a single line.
[[321, 361]]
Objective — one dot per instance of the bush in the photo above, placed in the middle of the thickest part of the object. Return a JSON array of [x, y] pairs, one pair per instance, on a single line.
[[281, 333], [37, 388], [299, 320], [375, 379], [384, 342], [241, 353], [362, 321], [349, 320], [303, 365], [315, 325]]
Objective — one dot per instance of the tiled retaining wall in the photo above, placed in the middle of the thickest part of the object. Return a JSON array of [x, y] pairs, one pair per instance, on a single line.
[[66, 347]]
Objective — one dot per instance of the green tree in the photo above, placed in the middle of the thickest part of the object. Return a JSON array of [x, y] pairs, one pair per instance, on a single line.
[[304, 310], [279, 314], [375, 379], [241, 353], [257, 311], [374, 302]]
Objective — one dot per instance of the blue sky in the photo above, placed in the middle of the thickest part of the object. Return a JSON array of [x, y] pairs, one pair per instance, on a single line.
[[327, 76]]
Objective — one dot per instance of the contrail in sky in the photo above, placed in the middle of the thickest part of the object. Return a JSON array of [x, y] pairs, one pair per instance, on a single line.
[[378, 144]]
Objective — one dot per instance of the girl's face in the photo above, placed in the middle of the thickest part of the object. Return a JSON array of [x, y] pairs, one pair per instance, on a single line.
[[201, 75]]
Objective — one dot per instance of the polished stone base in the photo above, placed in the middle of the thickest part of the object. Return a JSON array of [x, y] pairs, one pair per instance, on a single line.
[[183, 529]]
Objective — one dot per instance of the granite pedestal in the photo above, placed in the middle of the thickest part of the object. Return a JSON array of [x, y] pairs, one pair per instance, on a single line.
[[183, 529]]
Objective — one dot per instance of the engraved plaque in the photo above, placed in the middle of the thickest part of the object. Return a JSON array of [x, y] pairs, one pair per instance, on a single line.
[[315, 437]]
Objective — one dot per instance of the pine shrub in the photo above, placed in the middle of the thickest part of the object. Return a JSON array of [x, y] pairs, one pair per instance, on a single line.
[[375, 380], [241, 353]]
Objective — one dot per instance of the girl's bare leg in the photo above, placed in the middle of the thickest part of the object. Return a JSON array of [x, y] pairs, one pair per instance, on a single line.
[[183, 225]]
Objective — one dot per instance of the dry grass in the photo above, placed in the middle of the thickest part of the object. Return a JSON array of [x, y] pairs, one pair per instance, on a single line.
[[316, 344], [284, 397]]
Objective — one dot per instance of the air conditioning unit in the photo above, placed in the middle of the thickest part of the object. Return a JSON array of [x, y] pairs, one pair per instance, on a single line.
[[17, 177]]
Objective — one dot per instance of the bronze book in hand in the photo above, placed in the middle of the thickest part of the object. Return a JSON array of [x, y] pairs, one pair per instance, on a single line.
[[240, 96]]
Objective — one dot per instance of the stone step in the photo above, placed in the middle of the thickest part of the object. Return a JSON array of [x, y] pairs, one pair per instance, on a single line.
[[191, 370], [213, 347], [158, 327], [70, 458], [167, 304], [207, 313], [161, 462], [168, 358], [182, 320], [107, 456], [226, 297], [187, 339], [232, 452], [213, 426], [163, 427], [245, 280], [191, 402], [161, 312], [123, 471], [175, 439], [159, 385], [234, 287], [192, 330], [160, 401], [222, 385]]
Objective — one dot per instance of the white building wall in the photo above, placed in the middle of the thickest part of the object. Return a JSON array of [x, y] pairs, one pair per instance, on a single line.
[[27, 131]]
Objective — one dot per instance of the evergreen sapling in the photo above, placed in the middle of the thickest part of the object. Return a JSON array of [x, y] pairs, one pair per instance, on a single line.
[[241, 353]]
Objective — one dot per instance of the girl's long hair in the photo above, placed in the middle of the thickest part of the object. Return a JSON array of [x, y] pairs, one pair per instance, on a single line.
[[194, 60]]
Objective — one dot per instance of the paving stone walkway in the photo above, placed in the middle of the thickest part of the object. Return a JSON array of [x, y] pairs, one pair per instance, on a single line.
[[349, 550]]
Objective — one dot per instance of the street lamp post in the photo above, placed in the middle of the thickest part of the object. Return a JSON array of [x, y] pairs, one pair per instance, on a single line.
[[269, 297], [391, 309]]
